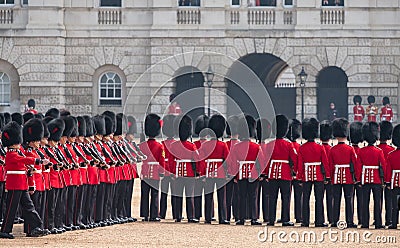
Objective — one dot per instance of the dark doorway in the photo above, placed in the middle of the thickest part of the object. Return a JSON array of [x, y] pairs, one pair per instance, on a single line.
[[332, 87], [267, 68], [190, 91]]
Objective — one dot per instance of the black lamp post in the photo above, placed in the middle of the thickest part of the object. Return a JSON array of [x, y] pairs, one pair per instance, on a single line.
[[209, 77], [303, 77]]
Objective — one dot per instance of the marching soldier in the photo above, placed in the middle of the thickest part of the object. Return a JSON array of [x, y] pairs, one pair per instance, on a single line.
[[355, 139], [372, 110], [358, 110], [18, 169], [293, 134], [281, 169], [313, 170], [393, 176], [325, 137], [370, 169], [386, 110], [342, 160]]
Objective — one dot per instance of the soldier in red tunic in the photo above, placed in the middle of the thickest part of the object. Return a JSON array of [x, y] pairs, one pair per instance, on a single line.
[[166, 182], [245, 158], [372, 110], [281, 169], [293, 134], [386, 110], [355, 139], [342, 159], [393, 176], [370, 169], [152, 168], [17, 169], [313, 169], [386, 129], [325, 137], [358, 110], [215, 153]]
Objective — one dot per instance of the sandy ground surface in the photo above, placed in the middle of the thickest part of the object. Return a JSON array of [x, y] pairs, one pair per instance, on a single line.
[[170, 234]]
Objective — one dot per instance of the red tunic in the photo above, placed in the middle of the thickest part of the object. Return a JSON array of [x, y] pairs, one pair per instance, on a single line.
[[386, 149], [243, 159], [184, 158], [66, 173], [93, 170], [215, 153], [231, 169], [340, 157], [38, 173], [2, 170], [155, 162], [46, 173], [56, 177], [133, 167], [103, 173], [327, 148], [386, 113], [368, 162], [76, 178], [279, 154], [167, 143], [312, 157], [83, 170], [393, 169], [359, 113], [112, 172]]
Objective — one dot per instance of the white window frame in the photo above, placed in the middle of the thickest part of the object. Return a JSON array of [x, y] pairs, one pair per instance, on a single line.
[[286, 5], [100, 6], [114, 89], [7, 4], [236, 6], [2, 86]]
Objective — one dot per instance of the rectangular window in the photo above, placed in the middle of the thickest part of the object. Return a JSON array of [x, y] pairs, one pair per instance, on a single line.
[[288, 2], [189, 3], [262, 3], [333, 3], [235, 2], [6, 1], [25, 2], [110, 3]]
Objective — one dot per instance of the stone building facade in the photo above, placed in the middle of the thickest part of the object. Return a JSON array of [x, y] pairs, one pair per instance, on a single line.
[[87, 58]]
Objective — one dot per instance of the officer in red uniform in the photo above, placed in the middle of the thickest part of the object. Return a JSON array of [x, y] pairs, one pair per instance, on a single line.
[[386, 129], [281, 169], [245, 158], [200, 127], [293, 135], [313, 169], [370, 170], [342, 159], [152, 168], [185, 167], [393, 176], [232, 202], [215, 153], [325, 137], [372, 110], [166, 182], [17, 169], [386, 110], [263, 132], [355, 139], [358, 110]]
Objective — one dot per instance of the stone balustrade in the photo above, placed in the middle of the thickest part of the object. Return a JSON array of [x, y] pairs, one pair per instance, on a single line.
[[110, 16], [332, 16]]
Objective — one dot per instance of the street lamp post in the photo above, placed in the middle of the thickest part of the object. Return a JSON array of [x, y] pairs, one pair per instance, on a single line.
[[209, 77], [303, 77]]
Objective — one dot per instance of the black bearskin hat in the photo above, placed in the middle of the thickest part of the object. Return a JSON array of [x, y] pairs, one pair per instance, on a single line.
[[325, 130], [152, 125], [31, 103], [33, 130], [56, 128], [75, 130], [371, 99], [386, 129], [99, 124], [121, 124], [294, 130], [39, 116], [172, 97], [280, 126], [47, 119], [247, 127], [132, 127], [200, 124], [113, 120], [370, 131], [81, 126], [69, 125], [184, 124], [2, 121], [263, 129], [46, 133], [89, 126], [110, 126], [356, 132], [65, 112], [396, 135], [217, 124], [340, 128], [310, 128], [232, 125], [12, 134], [168, 126], [17, 117], [385, 100], [7, 118], [357, 99], [27, 116], [53, 112]]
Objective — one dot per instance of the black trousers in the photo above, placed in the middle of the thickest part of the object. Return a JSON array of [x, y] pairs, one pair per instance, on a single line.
[[198, 198], [329, 202], [229, 198], [284, 186], [79, 207], [186, 183], [359, 196], [61, 208], [109, 202], [388, 206], [209, 196], [39, 202], [119, 197], [395, 210], [128, 198], [148, 190], [2, 200], [348, 190], [100, 202], [248, 192], [70, 205], [319, 202], [377, 191], [298, 199], [21, 198], [265, 198], [166, 183], [90, 205], [53, 195]]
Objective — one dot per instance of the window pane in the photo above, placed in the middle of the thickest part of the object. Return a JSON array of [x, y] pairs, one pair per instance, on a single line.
[[110, 93], [9, 2], [110, 89], [6, 98], [265, 2], [25, 2], [288, 2], [103, 79], [332, 2], [110, 3], [189, 2], [117, 93], [117, 79], [103, 93], [235, 2]]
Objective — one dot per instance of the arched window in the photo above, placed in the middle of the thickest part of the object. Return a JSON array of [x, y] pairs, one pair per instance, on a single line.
[[5, 89], [110, 89]]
